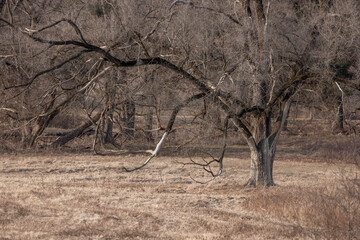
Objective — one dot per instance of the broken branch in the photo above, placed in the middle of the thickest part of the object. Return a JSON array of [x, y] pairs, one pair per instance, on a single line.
[[167, 131]]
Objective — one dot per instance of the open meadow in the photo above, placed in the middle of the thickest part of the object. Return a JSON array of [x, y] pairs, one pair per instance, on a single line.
[[85, 196]]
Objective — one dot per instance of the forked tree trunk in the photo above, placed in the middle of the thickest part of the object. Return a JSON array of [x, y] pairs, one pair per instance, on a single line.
[[262, 144], [261, 169], [43, 121], [260, 152]]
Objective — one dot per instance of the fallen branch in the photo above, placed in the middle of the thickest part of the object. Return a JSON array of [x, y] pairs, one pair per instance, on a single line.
[[76, 132], [167, 131], [207, 164], [154, 154]]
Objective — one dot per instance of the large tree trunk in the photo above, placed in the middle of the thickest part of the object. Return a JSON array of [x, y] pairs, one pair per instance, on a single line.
[[261, 169], [261, 153], [262, 144], [262, 147]]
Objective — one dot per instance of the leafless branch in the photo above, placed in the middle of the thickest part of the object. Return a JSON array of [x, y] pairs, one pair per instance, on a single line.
[[30, 31], [205, 87], [167, 131], [287, 90], [9, 110], [71, 23], [47, 71], [207, 164], [117, 44], [177, 2], [154, 154], [97, 130], [349, 84], [187, 142], [7, 56], [141, 43], [93, 79], [201, 182]]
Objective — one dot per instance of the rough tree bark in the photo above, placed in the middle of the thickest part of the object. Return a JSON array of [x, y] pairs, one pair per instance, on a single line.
[[263, 146], [262, 151]]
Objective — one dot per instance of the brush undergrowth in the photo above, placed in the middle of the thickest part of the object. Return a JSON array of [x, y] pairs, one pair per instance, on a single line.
[[331, 212]]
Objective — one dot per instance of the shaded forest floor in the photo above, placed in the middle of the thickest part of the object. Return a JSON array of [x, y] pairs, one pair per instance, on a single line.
[[85, 196]]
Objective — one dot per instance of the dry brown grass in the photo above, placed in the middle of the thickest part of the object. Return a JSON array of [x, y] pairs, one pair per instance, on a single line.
[[341, 149], [319, 213], [324, 209], [82, 196]]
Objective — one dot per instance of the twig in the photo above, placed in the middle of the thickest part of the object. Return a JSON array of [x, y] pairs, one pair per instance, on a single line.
[[201, 182], [72, 24], [48, 70], [167, 131], [176, 2], [207, 164], [93, 79], [142, 44]]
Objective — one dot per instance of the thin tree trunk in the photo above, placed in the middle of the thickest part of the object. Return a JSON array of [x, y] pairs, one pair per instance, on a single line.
[[128, 117], [42, 122], [110, 94], [148, 126], [339, 120], [285, 127], [108, 127]]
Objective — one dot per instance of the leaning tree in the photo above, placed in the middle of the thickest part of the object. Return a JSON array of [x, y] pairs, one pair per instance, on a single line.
[[248, 59]]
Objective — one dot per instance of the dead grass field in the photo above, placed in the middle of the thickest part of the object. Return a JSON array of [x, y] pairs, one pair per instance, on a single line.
[[83, 196]]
